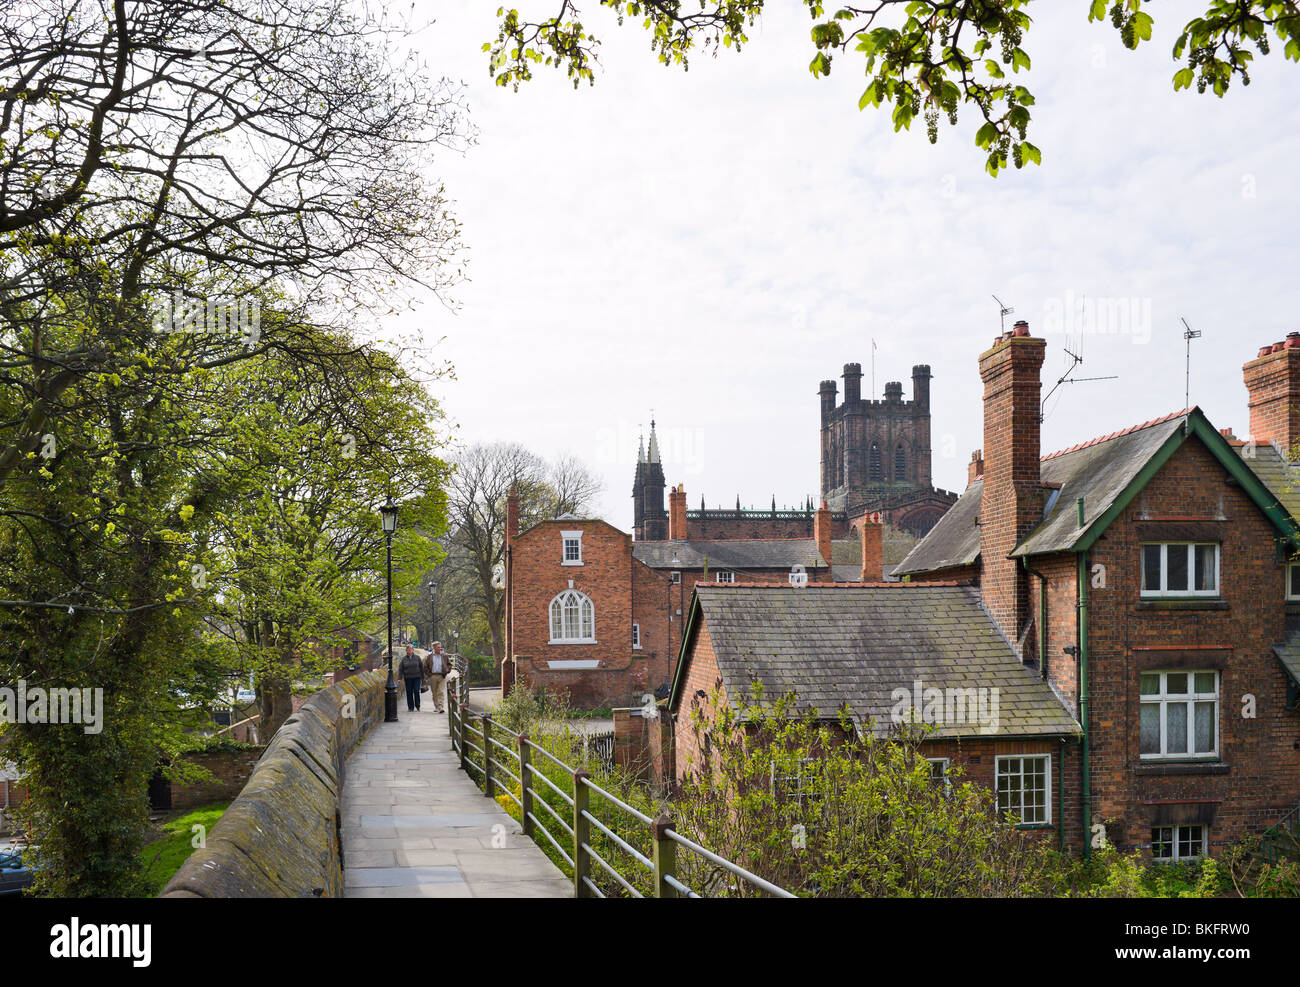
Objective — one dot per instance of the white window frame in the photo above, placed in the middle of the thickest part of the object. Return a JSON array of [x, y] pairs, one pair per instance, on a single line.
[[1161, 592], [1163, 699], [565, 538], [730, 575], [586, 617], [1174, 842], [1291, 569], [1047, 787], [946, 763], [636, 636], [676, 577]]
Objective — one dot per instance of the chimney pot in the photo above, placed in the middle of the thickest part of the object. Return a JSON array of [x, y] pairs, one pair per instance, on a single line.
[[1265, 350], [1021, 328]]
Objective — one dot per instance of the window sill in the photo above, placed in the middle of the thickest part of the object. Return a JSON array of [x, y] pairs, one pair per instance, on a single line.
[[1182, 603], [1149, 768], [579, 562], [1035, 826], [585, 640]]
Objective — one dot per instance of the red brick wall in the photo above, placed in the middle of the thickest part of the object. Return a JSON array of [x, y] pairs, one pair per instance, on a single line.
[[1260, 764], [606, 576], [702, 675], [977, 759]]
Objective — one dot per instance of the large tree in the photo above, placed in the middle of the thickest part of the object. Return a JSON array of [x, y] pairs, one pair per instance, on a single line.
[[267, 155], [923, 58], [484, 476]]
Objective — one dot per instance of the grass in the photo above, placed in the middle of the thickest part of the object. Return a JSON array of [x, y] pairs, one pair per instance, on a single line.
[[163, 857]]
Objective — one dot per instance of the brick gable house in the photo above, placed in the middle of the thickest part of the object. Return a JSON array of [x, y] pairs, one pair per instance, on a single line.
[[1144, 579], [885, 654]]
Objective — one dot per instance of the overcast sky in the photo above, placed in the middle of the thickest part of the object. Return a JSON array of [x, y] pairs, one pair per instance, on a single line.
[[713, 244]]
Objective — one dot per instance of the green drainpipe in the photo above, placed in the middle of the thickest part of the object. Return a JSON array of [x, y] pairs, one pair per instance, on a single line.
[[1083, 695]]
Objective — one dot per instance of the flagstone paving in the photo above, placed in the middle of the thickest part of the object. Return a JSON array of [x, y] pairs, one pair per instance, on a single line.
[[414, 826]]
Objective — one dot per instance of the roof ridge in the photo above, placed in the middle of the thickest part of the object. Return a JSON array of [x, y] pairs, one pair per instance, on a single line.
[[1115, 435], [837, 585]]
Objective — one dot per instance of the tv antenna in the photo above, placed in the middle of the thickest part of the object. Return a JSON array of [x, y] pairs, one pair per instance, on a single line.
[[1076, 360], [1005, 311], [1188, 335]]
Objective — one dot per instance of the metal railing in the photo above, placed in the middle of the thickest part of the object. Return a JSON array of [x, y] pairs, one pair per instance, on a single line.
[[490, 753], [1281, 841]]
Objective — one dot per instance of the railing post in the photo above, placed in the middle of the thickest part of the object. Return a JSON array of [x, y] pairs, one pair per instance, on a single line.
[[665, 856], [460, 729], [526, 792], [581, 834], [487, 755]]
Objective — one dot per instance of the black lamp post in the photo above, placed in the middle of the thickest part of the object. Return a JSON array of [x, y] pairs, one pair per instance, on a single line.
[[433, 613], [389, 515]]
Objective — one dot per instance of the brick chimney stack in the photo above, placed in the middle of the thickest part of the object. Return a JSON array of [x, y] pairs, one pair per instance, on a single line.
[[1011, 501], [822, 531], [873, 549], [975, 469], [1273, 382], [677, 513]]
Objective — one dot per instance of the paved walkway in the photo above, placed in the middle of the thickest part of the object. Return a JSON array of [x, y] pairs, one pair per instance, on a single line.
[[414, 826]]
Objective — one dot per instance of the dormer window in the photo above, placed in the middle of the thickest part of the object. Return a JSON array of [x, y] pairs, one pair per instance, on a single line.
[[1180, 569], [726, 576], [1293, 581], [572, 547]]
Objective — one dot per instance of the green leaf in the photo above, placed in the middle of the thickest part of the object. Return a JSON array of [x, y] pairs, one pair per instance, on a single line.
[[1183, 78], [1142, 25], [1019, 60], [1031, 153]]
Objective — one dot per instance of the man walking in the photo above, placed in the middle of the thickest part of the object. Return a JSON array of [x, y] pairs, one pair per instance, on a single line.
[[411, 671], [435, 666]]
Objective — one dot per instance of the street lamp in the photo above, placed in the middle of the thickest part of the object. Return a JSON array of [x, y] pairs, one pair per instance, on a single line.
[[433, 613], [388, 513]]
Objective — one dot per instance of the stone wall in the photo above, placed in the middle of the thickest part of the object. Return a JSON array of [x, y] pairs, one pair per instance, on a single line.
[[280, 837]]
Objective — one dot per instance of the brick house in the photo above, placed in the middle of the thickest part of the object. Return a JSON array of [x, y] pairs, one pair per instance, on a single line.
[[591, 612], [1144, 577], [885, 654]]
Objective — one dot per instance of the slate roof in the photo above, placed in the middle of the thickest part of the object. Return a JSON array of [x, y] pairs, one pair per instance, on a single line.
[[1288, 653], [954, 541], [762, 553], [1099, 471], [838, 646], [1275, 471]]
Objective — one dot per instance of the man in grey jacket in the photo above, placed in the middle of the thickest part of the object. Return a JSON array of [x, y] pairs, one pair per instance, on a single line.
[[412, 672]]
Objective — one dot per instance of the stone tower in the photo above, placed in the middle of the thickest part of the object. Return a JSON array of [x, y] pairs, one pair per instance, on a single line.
[[874, 452], [649, 516]]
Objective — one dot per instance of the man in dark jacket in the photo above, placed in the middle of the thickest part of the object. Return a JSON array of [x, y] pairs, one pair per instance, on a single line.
[[412, 671]]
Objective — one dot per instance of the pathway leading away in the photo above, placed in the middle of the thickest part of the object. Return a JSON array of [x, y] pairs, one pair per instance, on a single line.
[[414, 826]]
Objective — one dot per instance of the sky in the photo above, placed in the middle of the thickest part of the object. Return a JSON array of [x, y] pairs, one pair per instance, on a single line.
[[708, 246]]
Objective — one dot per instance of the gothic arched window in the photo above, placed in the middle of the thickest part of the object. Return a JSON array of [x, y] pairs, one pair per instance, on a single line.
[[900, 463], [573, 618], [874, 468]]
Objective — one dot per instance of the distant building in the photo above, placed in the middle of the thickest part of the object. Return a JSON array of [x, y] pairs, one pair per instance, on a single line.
[[599, 616]]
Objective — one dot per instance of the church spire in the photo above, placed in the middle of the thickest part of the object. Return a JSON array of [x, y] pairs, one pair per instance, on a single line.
[[654, 444], [640, 448]]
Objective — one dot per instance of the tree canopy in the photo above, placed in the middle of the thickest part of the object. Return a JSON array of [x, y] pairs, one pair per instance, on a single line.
[[922, 58]]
